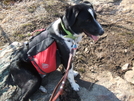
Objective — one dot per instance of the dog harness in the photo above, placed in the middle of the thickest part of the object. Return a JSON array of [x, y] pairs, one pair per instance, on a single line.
[[46, 51]]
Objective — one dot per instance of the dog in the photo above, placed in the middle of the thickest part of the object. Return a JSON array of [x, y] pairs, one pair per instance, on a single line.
[[62, 34]]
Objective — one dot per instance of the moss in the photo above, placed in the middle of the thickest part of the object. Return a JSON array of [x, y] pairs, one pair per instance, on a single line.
[[29, 34], [131, 41], [29, 26], [32, 8], [6, 2], [127, 33], [81, 70]]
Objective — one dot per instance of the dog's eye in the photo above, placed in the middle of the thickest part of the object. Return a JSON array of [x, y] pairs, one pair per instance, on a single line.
[[88, 20]]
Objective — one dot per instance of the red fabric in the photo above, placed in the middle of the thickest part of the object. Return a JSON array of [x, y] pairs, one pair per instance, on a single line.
[[46, 60]]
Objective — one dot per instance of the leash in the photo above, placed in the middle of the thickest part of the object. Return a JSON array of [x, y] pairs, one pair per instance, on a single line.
[[61, 83], [38, 30]]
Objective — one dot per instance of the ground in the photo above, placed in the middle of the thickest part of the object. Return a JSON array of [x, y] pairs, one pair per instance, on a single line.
[[113, 49]]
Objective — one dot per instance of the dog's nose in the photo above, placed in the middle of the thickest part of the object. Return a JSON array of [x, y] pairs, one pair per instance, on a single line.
[[101, 32]]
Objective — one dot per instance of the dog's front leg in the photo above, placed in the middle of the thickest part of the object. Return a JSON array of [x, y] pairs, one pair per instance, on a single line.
[[71, 75]]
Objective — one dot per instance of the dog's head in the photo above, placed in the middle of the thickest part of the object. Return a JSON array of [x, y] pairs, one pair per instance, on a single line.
[[82, 18]]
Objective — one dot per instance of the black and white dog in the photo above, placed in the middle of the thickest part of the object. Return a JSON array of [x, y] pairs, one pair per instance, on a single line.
[[64, 32]]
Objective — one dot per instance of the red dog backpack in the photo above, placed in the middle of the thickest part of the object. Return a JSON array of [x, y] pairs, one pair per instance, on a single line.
[[42, 52]]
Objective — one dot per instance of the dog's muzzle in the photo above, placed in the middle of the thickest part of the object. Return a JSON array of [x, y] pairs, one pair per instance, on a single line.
[[101, 32]]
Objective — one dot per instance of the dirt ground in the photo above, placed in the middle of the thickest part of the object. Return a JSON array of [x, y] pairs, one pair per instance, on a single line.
[[113, 50]]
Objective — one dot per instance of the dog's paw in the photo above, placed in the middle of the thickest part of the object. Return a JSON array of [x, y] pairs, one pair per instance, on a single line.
[[43, 89], [75, 73], [75, 86]]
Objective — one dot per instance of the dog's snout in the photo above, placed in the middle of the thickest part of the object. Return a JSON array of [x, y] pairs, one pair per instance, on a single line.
[[101, 32]]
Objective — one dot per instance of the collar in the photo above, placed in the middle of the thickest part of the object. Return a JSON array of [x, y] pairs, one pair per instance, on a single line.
[[69, 34]]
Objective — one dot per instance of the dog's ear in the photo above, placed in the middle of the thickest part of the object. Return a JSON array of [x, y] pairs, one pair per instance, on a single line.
[[71, 14], [88, 3]]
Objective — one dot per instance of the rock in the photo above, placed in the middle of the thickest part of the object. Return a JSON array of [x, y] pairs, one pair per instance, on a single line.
[[127, 5], [116, 84], [131, 98], [6, 55], [133, 65], [129, 76], [125, 67], [86, 50], [99, 9], [107, 88], [98, 93]]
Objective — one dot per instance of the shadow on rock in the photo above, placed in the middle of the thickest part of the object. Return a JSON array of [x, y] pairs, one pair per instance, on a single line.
[[88, 91], [49, 82], [94, 92]]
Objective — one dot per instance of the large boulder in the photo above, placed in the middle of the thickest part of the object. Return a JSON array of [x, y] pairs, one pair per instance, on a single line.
[[6, 54]]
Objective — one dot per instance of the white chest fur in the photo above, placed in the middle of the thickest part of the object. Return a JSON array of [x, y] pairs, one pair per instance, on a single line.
[[70, 42]]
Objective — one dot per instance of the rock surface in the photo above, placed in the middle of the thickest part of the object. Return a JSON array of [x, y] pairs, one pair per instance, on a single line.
[[127, 5], [7, 52], [129, 76]]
